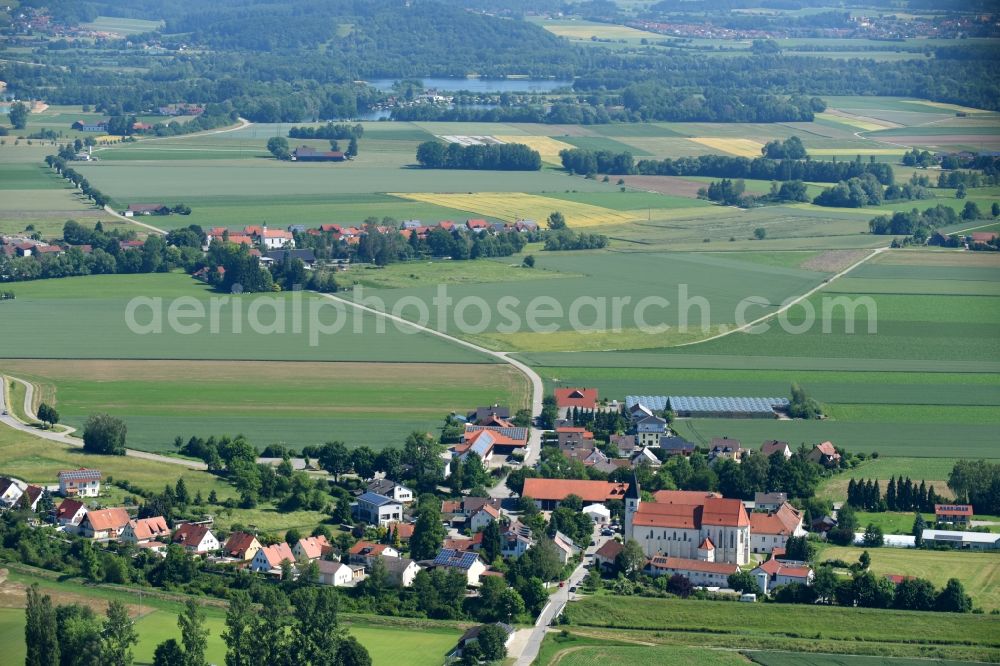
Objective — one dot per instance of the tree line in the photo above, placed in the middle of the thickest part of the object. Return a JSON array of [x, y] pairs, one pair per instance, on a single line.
[[901, 495], [495, 157], [341, 131], [919, 225]]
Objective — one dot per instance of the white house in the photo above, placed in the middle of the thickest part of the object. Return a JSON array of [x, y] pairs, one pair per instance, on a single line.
[[104, 524], [775, 573], [772, 529], [145, 530], [11, 491], [83, 482], [376, 509], [401, 570], [648, 430], [311, 548], [469, 563], [70, 513], [366, 552], [600, 514], [700, 573], [484, 516], [196, 538], [391, 489], [269, 558], [516, 540], [565, 546], [769, 501], [337, 574]]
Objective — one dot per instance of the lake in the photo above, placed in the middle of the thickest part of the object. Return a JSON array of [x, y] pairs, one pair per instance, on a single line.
[[482, 85]]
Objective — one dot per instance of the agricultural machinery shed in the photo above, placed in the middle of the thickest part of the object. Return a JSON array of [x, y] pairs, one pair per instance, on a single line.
[[711, 406]]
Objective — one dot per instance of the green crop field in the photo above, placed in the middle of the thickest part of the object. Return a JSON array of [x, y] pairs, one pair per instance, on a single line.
[[978, 571], [622, 655], [377, 404], [94, 308], [801, 659], [822, 629]]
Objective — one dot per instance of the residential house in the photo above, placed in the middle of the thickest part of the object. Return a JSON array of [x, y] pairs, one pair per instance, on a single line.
[[338, 574], [769, 501], [91, 125], [484, 516], [607, 555], [11, 491], [724, 448], [80, 482], [389, 488], [306, 256], [401, 570], [272, 239], [625, 444], [364, 552], [516, 539], [773, 446], [403, 531], [104, 524], [30, 497], [673, 445], [644, 456], [824, 454], [678, 521], [583, 398], [772, 529], [376, 509], [269, 558], [650, 429], [458, 512], [477, 225], [638, 411], [70, 513], [548, 493], [701, 573], [145, 530], [955, 514], [569, 437], [484, 441], [196, 538], [241, 546], [484, 414], [469, 563], [589, 456], [775, 573], [565, 546], [311, 548]]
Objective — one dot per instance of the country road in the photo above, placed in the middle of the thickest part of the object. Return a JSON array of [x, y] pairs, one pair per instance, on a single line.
[[537, 387], [66, 437]]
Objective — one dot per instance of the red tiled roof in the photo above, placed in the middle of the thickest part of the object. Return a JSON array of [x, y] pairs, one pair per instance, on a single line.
[[775, 567], [682, 496], [781, 522], [277, 553], [609, 550], [678, 516], [772, 446], [726, 512], [68, 508], [367, 548], [707, 544], [953, 510], [560, 489], [107, 519], [583, 398], [827, 449], [403, 530], [190, 534], [314, 547], [238, 543], [684, 564], [147, 528]]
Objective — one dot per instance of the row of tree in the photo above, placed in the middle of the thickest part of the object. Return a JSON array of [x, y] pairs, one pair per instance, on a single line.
[[901, 495], [495, 157], [332, 131]]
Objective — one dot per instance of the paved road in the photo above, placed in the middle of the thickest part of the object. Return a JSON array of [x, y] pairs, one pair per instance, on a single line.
[[67, 438], [527, 642]]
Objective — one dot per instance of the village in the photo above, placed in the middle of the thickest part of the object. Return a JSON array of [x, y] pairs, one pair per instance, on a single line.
[[544, 515]]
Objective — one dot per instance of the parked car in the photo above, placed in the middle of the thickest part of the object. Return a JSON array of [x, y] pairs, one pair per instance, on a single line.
[[607, 532]]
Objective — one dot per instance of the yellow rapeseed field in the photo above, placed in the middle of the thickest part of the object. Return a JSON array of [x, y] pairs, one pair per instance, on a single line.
[[547, 147], [739, 147], [511, 206]]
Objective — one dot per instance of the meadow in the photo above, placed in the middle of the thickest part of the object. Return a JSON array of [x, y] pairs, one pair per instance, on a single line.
[[978, 571], [290, 403], [800, 659], [421, 643], [821, 629]]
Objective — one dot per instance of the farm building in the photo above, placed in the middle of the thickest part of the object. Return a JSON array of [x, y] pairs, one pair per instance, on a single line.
[[956, 514], [711, 406], [91, 125], [146, 209], [964, 540], [307, 154], [583, 398], [547, 493]]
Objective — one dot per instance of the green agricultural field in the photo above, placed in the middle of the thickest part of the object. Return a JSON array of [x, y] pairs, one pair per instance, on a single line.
[[979, 572], [121, 26], [642, 654], [291, 403], [95, 308], [415, 273], [934, 471], [801, 659], [713, 286], [768, 626]]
